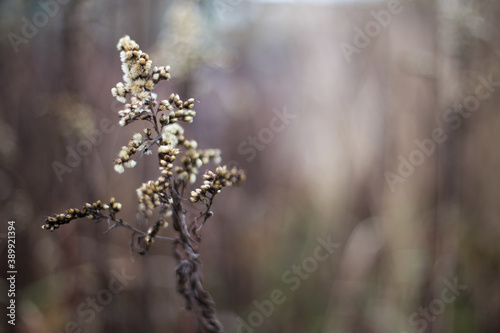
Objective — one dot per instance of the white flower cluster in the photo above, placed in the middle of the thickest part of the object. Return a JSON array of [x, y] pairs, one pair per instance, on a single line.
[[135, 67], [138, 81], [171, 134], [124, 159]]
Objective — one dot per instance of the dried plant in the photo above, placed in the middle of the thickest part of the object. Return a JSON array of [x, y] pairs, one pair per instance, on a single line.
[[163, 197]]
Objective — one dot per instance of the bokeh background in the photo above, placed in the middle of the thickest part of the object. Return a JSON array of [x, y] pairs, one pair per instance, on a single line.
[[330, 172]]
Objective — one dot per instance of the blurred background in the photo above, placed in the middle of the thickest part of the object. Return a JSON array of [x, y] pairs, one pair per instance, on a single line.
[[369, 124]]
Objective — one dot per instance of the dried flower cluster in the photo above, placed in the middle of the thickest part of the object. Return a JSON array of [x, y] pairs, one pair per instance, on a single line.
[[214, 182], [91, 211], [179, 161]]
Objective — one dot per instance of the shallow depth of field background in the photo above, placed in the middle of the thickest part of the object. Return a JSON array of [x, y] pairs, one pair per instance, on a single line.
[[324, 174]]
